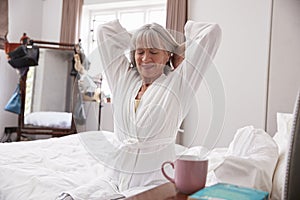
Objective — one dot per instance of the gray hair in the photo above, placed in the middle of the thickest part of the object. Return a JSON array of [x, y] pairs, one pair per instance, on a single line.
[[152, 36]]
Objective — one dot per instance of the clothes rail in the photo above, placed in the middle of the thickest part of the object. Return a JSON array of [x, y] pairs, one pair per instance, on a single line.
[[43, 44], [53, 45]]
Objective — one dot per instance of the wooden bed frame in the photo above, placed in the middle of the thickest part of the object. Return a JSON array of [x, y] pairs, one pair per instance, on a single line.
[[39, 130]]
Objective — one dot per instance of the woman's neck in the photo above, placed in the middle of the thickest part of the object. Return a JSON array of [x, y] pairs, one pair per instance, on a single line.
[[142, 90], [146, 83], [145, 86]]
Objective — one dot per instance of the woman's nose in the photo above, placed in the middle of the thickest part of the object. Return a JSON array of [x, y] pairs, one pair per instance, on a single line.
[[146, 57]]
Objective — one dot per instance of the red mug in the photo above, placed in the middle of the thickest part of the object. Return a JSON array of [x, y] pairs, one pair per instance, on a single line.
[[190, 173]]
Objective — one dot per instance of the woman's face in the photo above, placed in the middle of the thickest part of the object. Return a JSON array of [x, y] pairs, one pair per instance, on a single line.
[[150, 62]]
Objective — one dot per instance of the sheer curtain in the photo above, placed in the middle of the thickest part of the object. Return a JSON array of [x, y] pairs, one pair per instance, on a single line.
[[176, 18], [3, 22], [70, 24]]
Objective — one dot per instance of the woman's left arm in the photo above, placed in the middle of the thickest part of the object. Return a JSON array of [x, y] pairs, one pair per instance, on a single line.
[[206, 35], [202, 42]]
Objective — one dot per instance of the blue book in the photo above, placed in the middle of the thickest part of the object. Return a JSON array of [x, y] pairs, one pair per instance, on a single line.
[[222, 191]]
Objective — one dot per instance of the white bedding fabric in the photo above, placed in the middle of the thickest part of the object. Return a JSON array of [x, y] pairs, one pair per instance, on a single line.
[[250, 160], [44, 169], [49, 119]]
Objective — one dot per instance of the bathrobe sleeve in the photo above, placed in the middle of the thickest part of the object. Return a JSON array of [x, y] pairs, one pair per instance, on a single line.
[[113, 41], [202, 42]]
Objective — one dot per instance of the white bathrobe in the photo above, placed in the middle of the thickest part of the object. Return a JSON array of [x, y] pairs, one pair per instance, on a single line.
[[145, 138]]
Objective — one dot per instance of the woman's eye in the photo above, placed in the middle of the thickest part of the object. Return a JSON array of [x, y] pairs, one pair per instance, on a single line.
[[153, 52]]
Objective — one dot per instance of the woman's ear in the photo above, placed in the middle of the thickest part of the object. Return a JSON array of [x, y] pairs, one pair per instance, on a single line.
[[178, 56], [176, 60], [132, 58], [171, 57]]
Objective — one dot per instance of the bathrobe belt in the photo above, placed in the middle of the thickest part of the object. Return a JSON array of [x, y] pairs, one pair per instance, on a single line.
[[146, 156]]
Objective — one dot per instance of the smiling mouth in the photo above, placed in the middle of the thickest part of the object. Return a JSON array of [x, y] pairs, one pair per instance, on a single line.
[[147, 66]]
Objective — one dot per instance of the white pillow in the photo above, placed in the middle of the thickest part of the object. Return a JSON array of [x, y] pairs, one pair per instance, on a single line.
[[250, 160], [284, 128], [49, 119], [282, 137]]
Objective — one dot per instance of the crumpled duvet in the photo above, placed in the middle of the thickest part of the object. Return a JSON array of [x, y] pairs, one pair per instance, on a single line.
[[250, 160]]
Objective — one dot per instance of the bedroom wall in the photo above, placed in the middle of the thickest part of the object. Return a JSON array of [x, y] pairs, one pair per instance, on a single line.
[[40, 19], [241, 62], [24, 17], [52, 12], [284, 81], [8, 83]]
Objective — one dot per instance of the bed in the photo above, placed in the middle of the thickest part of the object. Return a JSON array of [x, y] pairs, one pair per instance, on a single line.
[[49, 168]]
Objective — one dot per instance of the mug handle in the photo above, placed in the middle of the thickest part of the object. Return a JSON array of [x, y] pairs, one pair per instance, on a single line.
[[164, 173]]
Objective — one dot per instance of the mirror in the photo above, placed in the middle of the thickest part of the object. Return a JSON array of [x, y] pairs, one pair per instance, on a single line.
[[50, 86]]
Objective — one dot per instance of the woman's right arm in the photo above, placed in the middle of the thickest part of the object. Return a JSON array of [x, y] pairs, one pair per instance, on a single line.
[[113, 40]]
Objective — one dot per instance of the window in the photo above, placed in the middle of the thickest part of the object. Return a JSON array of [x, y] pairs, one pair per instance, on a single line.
[[132, 15]]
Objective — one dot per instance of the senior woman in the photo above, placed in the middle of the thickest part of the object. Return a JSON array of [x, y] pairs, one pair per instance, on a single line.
[[151, 91], [152, 79]]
